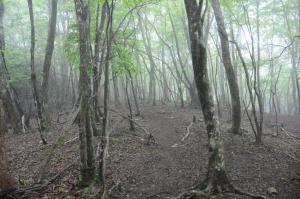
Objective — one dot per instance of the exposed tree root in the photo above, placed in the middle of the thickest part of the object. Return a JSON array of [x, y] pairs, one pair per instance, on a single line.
[[210, 190]]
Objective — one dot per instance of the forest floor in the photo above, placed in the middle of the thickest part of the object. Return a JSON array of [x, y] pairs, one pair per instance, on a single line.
[[168, 167]]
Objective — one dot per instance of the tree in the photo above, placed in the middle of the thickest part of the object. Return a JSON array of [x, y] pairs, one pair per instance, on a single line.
[[7, 92], [7, 182], [87, 166], [35, 93], [216, 179], [47, 60], [216, 175], [232, 81], [105, 133]]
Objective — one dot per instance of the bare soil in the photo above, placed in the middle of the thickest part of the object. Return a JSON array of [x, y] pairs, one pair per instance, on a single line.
[[168, 167]]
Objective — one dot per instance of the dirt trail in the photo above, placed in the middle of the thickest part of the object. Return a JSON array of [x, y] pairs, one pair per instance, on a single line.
[[166, 169], [163, 168]]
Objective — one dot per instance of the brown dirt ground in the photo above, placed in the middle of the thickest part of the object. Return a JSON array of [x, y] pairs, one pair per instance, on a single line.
[[169, 167]]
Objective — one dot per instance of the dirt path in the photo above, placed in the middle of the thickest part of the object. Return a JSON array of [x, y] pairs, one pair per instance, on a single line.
[[163, 168], [166, 169]]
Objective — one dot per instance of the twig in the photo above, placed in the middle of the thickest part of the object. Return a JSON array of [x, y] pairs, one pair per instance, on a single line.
[[72, 140], [188, 131]]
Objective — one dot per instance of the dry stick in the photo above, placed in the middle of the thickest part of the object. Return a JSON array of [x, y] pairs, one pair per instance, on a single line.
[[188, 131], [289, 134], [72, 140]]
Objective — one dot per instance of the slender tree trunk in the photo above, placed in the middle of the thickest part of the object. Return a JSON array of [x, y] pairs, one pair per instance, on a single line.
[[37, 101], [47, 61], [105, 133], [129, 106], [138, 113], [87, 167], [97, 68], [232, 81], [116, 89]]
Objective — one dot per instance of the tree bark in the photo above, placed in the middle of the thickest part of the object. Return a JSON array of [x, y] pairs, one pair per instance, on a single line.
[[7, 182], [9, 96], [216, 175], [36, 99], [232, 81], [47, 61], [105, 133], [87, 167]]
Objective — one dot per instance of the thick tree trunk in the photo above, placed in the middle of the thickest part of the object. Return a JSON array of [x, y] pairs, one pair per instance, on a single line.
[[7, 92], [216, 175], [7, 182], [232, 81], [87, 167]]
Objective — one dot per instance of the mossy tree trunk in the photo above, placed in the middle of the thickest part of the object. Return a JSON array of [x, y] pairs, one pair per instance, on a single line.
[[216, 175], [87, 166]]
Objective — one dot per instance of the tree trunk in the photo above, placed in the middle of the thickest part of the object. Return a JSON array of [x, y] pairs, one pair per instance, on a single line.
[[216, 175], [37, 101], [47, 61], [9, 96], [138, 113], [116, 89], [105, 133], [232, 81], [87, 167], [7, 182]]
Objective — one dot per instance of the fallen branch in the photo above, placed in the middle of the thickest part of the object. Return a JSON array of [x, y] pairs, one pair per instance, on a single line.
[[72, 140], [289, 134], [188, 131]]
